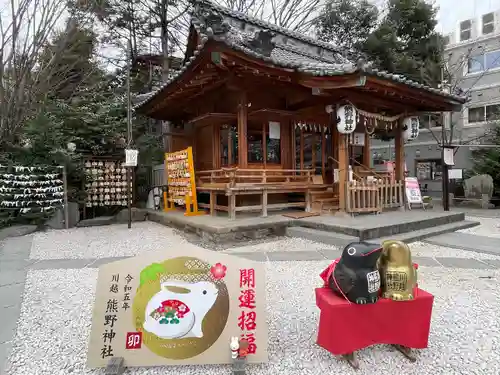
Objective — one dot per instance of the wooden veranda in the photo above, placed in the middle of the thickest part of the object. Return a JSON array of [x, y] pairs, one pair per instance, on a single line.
[[260, 107]]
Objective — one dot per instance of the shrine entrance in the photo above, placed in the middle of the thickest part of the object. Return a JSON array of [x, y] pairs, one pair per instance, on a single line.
[[313, 147]]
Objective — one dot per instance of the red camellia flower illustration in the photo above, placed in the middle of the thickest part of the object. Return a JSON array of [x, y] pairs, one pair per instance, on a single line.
[[218, 271]]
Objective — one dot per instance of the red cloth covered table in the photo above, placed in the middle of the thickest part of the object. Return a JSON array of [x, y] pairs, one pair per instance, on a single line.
[[346, 327]]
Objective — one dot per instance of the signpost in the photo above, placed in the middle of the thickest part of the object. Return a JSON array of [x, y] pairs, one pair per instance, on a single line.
[[412, 190], [178, 309]]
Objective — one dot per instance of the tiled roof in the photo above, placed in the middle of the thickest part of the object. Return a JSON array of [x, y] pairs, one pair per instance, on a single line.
[[278, 46]]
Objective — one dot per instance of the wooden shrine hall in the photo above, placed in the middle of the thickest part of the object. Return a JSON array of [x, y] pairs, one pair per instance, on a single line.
[[277, 119]]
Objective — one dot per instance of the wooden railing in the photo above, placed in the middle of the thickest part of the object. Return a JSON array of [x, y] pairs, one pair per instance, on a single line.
[[362, 197], [391, 193], [234, 182], [370, 191], [374, 196], [232, 177]]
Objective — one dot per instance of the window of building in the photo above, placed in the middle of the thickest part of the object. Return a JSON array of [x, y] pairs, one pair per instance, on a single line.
[[492, 60], [258, 150], [493, 112], [465, 30], [313, 146], [488, 23], [484, 62], [475, 64], [431, 121], [428, 169], [255, 147], [476, 114], [484, 113]]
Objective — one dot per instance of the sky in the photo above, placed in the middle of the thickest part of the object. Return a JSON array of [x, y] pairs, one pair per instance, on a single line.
[[450, 12]]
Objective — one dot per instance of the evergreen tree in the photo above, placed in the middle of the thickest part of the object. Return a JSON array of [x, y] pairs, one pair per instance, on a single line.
[[346, 23], [403, 42], [406, 41]]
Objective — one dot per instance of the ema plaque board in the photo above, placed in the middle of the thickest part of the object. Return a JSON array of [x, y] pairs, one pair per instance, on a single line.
[[178, 307]]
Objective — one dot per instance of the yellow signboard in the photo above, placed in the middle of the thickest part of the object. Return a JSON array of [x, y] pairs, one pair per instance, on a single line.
[[181, 182], [180, 309]]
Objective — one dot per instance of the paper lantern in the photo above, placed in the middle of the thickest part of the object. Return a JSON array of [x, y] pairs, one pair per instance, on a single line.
[[346, 119], [412, 128]]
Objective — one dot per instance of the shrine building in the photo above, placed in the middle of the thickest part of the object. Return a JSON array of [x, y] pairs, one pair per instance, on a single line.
[[278, 120]]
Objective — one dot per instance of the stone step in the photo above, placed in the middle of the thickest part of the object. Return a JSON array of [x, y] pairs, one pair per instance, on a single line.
[[378, 226], [97, 221], [468, 242], [422, 234], [321, 194], [341, 240], [330, 238]]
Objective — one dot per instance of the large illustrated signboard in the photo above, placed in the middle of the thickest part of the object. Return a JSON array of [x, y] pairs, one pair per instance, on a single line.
[[178, 307]]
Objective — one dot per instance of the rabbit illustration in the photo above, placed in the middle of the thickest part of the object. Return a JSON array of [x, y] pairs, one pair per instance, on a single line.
[[191, 309]]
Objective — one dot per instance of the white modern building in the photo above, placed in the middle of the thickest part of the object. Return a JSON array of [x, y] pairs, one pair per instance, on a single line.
[[473, 60]]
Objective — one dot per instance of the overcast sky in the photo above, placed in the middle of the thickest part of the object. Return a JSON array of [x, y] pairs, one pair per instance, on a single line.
[[453, 11]]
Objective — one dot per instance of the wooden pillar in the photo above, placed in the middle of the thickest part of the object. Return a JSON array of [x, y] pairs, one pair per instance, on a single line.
[[216, 147], [400, 154], [335, 154], [229, 147], [323, 153], [343, 166], [301, 149], [367, 151], [293, 147], [242, 130], [335, 145], [264, 148]]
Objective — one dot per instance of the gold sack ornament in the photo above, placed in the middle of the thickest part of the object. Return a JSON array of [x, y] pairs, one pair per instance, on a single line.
[[397, 275]]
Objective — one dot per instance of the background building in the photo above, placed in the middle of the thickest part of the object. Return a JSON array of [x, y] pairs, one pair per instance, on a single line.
[[473, 65]]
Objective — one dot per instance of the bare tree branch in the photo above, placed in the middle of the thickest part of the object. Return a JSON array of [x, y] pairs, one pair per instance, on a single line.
[[29, 69]]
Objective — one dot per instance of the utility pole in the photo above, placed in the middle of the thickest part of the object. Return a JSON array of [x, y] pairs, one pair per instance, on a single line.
[[129, 133], [444, 167]]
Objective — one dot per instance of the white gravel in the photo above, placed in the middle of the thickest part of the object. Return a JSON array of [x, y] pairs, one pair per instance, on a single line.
[[283, 244], [490, 227], [102, 242], [423, 249], [54, 327], [118, 240]]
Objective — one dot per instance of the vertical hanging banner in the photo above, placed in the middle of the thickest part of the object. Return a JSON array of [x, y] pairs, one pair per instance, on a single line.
[[181, 310], [181, 182]]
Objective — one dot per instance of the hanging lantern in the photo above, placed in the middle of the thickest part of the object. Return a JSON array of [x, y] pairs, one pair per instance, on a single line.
[[412, 128], [346, 119]]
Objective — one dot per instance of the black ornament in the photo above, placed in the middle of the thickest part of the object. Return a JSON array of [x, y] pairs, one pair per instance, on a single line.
[[356, 275], [262, 42]]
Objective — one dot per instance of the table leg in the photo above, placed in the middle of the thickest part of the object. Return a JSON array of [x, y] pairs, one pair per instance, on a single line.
[[352, 360], [407, 352]]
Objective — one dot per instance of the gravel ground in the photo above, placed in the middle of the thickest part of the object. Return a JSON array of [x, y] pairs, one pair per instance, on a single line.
[[101, 242], [118, 240], [52, 334], [283, 244], [490, 227], [423, 249]]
